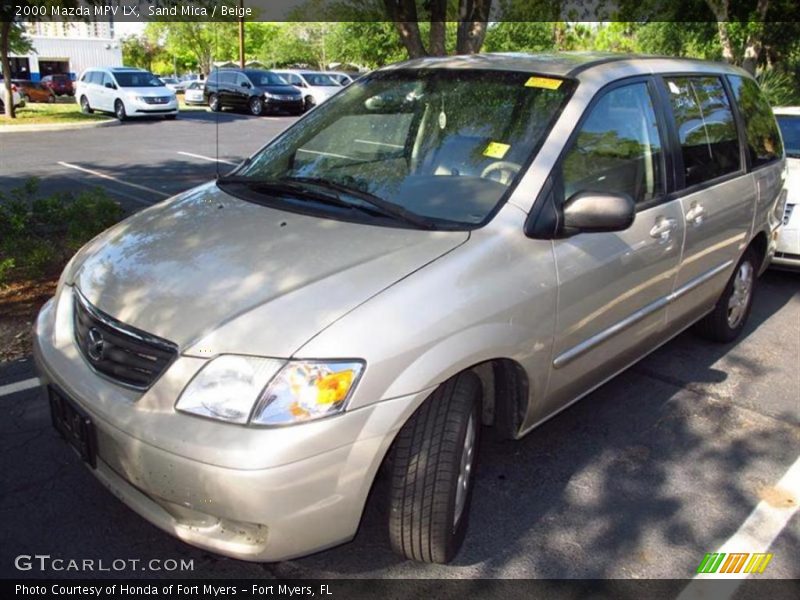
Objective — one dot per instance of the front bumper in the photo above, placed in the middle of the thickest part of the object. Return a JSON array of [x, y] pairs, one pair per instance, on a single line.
[[787, 252], [144, 109], [287, 105], [249, 493]]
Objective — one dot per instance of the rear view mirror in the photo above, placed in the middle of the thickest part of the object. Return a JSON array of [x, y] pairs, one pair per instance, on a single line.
[[597, 211]]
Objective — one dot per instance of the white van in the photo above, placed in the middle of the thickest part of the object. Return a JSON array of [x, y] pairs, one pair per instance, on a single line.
[[125, 92]]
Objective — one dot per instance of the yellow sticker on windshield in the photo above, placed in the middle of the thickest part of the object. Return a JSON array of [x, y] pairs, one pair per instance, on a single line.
[[496, 150], [543, 82]]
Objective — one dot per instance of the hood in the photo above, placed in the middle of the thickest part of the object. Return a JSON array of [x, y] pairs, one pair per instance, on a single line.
[[204, 259], [289, 90], [148, 91]]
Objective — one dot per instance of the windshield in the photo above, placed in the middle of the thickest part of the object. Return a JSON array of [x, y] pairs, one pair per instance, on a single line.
[[266, 78], [790, 130], [441, 145], [319, 79], [137, 79]]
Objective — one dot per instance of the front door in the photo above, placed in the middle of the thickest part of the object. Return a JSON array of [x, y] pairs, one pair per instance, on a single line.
[[613, 287]]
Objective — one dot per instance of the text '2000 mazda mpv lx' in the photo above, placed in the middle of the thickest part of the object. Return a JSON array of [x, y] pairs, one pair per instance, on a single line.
[[448, 243]]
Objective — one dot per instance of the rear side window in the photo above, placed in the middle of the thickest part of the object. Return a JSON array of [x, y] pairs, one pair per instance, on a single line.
[[618, 148], [228, 77], [763, 140], [707, 131], [790, 129]]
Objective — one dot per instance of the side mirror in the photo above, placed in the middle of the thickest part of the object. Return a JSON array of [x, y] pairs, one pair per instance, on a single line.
[[597, 211], [246, 85], [111, 86]]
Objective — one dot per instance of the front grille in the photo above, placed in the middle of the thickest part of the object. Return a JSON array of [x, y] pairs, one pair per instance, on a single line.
[[120, 352], [157, 99], [787, 213]]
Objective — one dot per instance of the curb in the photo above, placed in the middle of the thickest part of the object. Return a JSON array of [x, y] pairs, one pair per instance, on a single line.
[[57, 126]]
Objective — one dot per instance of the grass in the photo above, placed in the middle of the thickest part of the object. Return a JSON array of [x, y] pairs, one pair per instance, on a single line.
[[40, 113]]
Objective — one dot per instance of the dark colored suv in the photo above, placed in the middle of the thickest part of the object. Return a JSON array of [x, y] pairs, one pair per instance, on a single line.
[[61, 85], [255, 90]]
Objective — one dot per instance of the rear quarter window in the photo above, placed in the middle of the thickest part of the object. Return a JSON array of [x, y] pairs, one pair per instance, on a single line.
[[763, 139]]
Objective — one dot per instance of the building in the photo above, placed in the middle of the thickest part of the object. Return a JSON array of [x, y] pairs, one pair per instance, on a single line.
[[67, 47]]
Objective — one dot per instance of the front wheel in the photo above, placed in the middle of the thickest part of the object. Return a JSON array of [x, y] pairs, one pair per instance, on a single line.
[[432, 472], [214, 103], [726, 321], [85, 108], [309, 103], [256, 106], [119, 110]]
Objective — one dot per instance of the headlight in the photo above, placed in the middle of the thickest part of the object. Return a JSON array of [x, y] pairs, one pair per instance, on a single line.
[[232, 387], [228, 387], [307, 390]]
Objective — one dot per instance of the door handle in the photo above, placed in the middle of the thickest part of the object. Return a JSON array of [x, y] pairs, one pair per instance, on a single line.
[[663, 229], [696, 214]]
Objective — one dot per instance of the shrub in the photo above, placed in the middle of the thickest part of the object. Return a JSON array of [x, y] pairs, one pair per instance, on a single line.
[[38, 234], [777, 86]]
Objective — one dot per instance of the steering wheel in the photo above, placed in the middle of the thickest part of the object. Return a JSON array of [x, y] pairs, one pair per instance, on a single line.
[[506, 168]]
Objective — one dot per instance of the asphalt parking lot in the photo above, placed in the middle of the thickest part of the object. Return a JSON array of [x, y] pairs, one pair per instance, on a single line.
[[678, 456]]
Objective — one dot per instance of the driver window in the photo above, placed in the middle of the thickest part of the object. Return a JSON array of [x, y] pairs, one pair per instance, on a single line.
[[242, 81], [618, 148]]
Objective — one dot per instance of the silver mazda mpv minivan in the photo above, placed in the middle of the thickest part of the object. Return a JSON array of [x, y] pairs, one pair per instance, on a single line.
[[447, 244]]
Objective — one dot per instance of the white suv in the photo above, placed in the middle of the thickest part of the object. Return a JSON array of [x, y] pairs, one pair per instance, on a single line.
[[125, 92], [316, 86]]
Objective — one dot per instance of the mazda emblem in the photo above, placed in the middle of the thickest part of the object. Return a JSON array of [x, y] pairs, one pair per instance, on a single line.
[[95, 344]]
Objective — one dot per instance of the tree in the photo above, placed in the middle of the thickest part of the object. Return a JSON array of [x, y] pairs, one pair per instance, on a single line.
[[139, 51], [203, 42]]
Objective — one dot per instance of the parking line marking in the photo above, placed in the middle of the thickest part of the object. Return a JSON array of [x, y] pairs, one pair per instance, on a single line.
[[19, 386], [109, 177], [756, 534], [208, 158], [114, 192]]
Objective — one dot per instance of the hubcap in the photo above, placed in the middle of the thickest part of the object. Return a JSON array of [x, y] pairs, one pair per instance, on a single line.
[[120, 110], [465, 472], [255, 107], [740, 296]]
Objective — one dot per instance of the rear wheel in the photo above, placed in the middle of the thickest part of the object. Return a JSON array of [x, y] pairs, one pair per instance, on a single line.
[[85, 108], [432, 472], [119, 110], [214, 103], [256, 105], [726, 321], [51, 98]]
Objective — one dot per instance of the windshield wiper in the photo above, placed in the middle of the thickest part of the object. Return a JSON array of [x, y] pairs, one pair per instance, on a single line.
[[387, 209], [286, 188]]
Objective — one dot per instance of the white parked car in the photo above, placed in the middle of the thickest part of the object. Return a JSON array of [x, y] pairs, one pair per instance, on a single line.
[[193, 93], [19, 102], [125, 92], [341, 77], [316, 86], [787, 253]]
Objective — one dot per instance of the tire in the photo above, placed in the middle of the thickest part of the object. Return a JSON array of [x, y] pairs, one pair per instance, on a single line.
[[431, 459], [726, 322], [213, 103], [256, 106], [308, 103], [24, 98], [85, 108], [119, 110], [51, 99]]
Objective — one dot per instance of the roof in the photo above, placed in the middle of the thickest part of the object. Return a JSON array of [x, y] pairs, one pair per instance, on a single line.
[[564, 64]]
